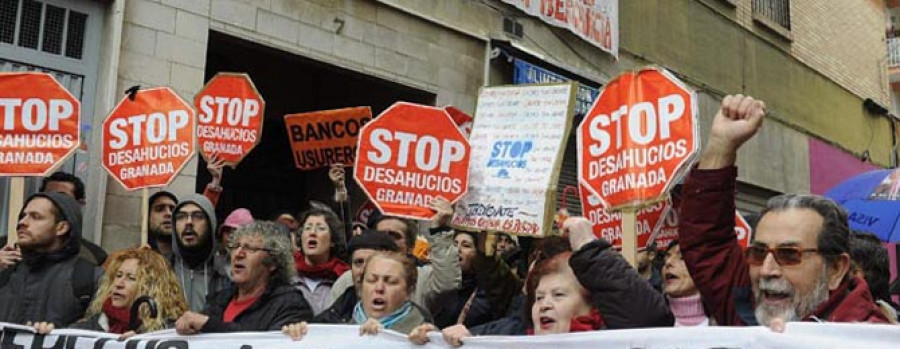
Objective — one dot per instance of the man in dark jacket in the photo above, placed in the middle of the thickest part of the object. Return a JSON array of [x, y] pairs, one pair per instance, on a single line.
[[42, 287], [795, 269], [159, 222], [361, 247], [199, 270], [262, 298]]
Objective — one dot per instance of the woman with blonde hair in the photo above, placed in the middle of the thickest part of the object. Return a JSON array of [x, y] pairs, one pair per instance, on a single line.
[[130, 274]]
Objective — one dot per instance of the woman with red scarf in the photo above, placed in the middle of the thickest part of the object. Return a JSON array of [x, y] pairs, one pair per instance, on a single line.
[[320, 259]]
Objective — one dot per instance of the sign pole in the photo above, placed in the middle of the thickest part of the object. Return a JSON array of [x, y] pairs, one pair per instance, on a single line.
[[145, 211], [16, 200], [629, 235]]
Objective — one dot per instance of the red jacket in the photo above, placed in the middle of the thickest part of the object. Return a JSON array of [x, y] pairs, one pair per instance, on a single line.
[[716, 261]]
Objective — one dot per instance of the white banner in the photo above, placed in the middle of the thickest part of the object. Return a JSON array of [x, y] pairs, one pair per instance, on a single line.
[[595, 21], [797, 335], [518, 143]]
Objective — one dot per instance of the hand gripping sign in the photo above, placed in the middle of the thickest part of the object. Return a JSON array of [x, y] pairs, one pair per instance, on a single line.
[[41, 124], [229, 117], [639, 136], [608, 225], [146, 141], [409, 155], [321, 138]]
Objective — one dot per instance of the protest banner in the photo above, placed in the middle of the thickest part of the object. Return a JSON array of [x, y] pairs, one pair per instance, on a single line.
[[595, 21], [669, 230], [637, 140], [409, 155], [230, 114], [608, 225], [146, 140], [365, 211], [461, 119], [796, 335], [518, 142], [41, 128], [322, 138]]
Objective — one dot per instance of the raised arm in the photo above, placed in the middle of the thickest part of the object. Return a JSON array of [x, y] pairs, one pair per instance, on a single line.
[[706, 218]]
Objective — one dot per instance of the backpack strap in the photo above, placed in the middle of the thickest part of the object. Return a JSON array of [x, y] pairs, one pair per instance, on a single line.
[[83, 282]]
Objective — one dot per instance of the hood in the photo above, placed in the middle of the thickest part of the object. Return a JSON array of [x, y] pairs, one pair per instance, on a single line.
[[210, 211], [71, 213]]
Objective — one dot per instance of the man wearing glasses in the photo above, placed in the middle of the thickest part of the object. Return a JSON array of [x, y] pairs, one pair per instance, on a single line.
[[796, 268], [199, 270], [262, 299]]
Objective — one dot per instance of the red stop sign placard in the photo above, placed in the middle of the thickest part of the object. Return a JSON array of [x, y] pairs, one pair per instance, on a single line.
[[608, 225], [409, 155], [639, 136], [41, 124], [229, 117], [147, 141]]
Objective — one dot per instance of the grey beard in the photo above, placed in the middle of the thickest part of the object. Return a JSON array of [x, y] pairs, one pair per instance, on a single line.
[[801, 305]]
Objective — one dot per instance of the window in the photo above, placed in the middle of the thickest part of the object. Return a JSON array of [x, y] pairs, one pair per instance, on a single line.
[[40, 26], [770, 12]]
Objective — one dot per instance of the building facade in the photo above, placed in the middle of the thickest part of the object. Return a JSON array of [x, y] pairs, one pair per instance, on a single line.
[[813, 62]]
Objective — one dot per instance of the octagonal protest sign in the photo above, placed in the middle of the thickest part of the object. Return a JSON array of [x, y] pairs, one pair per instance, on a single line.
[[638, 138], [230, 115], [41, 124], [146, 141], [608, 225], [409, 155]]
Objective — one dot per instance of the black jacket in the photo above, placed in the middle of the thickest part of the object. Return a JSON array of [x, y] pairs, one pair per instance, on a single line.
[[279, 305], [624, 299], [341, 311], [41, 287]]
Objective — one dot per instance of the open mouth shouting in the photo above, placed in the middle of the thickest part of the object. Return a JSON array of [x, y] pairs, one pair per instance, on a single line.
[[311, 244], [547, 322], [189, 237], [670, 277]]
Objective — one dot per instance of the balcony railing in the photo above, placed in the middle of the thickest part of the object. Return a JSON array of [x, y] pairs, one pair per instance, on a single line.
[[893, 47]]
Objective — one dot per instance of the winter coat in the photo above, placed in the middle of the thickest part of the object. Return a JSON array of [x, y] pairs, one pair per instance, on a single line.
[[279, 305], [100, 323], [341, 311], [718, 266], [211, 276], [495, 286], [317, 297], [435, 282], [624, 299], [41, 287]]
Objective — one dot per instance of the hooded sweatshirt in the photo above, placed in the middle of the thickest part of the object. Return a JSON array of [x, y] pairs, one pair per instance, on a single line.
[[40, 288], [198, 270]]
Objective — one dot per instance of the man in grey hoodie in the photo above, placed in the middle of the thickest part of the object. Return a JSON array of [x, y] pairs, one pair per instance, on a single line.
[[200, 272]]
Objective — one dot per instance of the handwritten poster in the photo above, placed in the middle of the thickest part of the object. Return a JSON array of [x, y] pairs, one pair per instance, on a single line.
[[517, 148]]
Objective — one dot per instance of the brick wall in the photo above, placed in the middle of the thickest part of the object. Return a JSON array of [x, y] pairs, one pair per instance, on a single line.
[[843, 40]]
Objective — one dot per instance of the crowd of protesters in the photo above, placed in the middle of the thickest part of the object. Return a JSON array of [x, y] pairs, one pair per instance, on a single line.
[[247, 274]]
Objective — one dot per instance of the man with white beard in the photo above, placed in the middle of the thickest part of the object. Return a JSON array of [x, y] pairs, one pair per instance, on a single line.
[[796, 268]]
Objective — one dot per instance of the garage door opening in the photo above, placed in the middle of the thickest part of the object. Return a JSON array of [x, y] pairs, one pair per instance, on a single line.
[[267, 181]]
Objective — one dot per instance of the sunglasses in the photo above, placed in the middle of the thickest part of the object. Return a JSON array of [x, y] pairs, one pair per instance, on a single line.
[[784, 255]]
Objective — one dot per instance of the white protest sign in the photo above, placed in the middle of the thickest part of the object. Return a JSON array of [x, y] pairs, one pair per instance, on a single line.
[[517, 142], [796, 335]]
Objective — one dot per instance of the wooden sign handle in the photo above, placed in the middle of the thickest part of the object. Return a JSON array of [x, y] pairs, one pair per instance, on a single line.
[[145, 212], [16, 200], [629, 235]]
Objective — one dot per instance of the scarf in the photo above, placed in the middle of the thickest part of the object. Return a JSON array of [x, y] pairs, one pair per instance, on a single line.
[[330, 270], [688, 311], [359, 315], [584, 323], [118, 317]]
